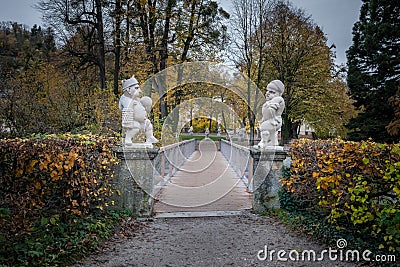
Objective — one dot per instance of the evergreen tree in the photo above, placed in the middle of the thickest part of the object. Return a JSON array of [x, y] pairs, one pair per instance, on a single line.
[[374, 69]]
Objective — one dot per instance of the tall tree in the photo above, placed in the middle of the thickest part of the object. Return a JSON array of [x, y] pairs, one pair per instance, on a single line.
[[374, 69], [200, 33], [300, 58], [118, 16], [34, 97], [249, 39], [175, 31], [287, 45], [79, 24]]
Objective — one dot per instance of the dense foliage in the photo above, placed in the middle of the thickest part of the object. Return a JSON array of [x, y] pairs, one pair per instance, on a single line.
[[40, 93], [47, 185], [276, 40], [374, 70], [355, 185], [118, 38], [66, 78]]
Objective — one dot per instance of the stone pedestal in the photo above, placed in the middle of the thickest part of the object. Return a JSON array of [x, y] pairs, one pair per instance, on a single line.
[[267, 170], [134, 178]]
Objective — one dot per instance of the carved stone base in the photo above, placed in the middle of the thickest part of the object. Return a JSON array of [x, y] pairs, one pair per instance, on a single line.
[[269, 148], [134, 178], [137, 145], [267, 169]]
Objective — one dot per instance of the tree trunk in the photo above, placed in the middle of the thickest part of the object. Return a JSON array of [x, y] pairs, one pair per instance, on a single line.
[[185, 51], [164, 56], [250, 113], [117, 45], [164, 40], [163, 101], [289, 130], [117, 60], [100, 39], [285, 130], [147, 21]]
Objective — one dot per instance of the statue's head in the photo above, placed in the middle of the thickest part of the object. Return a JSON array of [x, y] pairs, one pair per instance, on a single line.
[[276, 86], [274, 89], [129, 83]]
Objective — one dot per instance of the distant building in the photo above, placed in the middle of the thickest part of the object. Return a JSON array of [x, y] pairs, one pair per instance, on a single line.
[[306, 131]]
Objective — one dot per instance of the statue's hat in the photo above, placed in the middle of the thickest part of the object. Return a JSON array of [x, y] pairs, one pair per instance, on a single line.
[[129, 82], [277, 85]]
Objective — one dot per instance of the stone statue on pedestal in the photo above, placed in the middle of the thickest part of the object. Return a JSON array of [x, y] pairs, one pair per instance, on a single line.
[[272, 116], [134, 114], [207, 132]]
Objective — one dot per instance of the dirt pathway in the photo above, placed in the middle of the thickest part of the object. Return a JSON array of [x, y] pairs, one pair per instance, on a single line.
[[210, 241]]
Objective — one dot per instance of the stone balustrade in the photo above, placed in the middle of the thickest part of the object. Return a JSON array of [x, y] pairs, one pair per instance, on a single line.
[[239, 158], [260, 170], [141, 172]]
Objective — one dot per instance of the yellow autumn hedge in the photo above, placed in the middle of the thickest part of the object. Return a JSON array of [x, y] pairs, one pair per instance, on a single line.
[[52, 177], [355, 182]]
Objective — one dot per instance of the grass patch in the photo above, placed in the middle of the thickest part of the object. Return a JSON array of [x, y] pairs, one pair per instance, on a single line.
[[54, 242]]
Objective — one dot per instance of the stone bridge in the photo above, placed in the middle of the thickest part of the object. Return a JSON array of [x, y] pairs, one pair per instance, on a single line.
[[198, 176]]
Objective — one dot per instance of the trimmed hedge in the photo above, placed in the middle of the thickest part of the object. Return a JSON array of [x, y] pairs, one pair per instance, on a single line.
[[52, 180], [354, 183]]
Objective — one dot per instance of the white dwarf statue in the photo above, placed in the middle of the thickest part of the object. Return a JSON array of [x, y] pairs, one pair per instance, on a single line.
[[207, 132], [134, 113], [272, 115]]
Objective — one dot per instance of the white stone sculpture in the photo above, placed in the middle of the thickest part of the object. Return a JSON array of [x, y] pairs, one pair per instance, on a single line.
[[272, 116], [207, 132], [134, 114]]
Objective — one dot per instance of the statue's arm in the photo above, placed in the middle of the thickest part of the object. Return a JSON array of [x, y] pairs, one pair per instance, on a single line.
[[271, 107], [120, 104], [277, 102]]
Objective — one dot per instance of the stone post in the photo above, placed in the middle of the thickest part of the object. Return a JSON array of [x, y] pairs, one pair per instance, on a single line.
[[134, 178], [267, 170]]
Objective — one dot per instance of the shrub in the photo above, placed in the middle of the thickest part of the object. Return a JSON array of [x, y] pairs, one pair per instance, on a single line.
[[355, 183], [46, 181]]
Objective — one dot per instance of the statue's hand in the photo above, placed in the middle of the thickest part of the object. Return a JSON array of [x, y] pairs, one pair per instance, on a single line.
[[274, 105]]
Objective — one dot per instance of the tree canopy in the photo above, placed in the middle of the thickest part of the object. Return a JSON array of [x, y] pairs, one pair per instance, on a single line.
[[284, 43], [69, 74], [374, 71]]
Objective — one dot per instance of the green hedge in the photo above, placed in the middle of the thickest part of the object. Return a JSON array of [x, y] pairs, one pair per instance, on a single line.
[[49, 182], [354, 183]]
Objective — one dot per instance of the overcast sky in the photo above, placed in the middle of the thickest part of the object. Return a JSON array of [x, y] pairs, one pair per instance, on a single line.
[[335, 17]]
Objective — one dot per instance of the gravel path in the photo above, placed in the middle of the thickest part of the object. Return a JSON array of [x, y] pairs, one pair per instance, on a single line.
[[208, 241]]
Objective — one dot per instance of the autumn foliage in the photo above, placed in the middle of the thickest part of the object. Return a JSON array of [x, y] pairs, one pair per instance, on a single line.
[[52, 178], [354, 183]]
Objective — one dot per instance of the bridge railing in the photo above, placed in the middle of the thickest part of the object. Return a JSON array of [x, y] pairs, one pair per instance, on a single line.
[[173, 156], [240, 160], [170, 158]]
